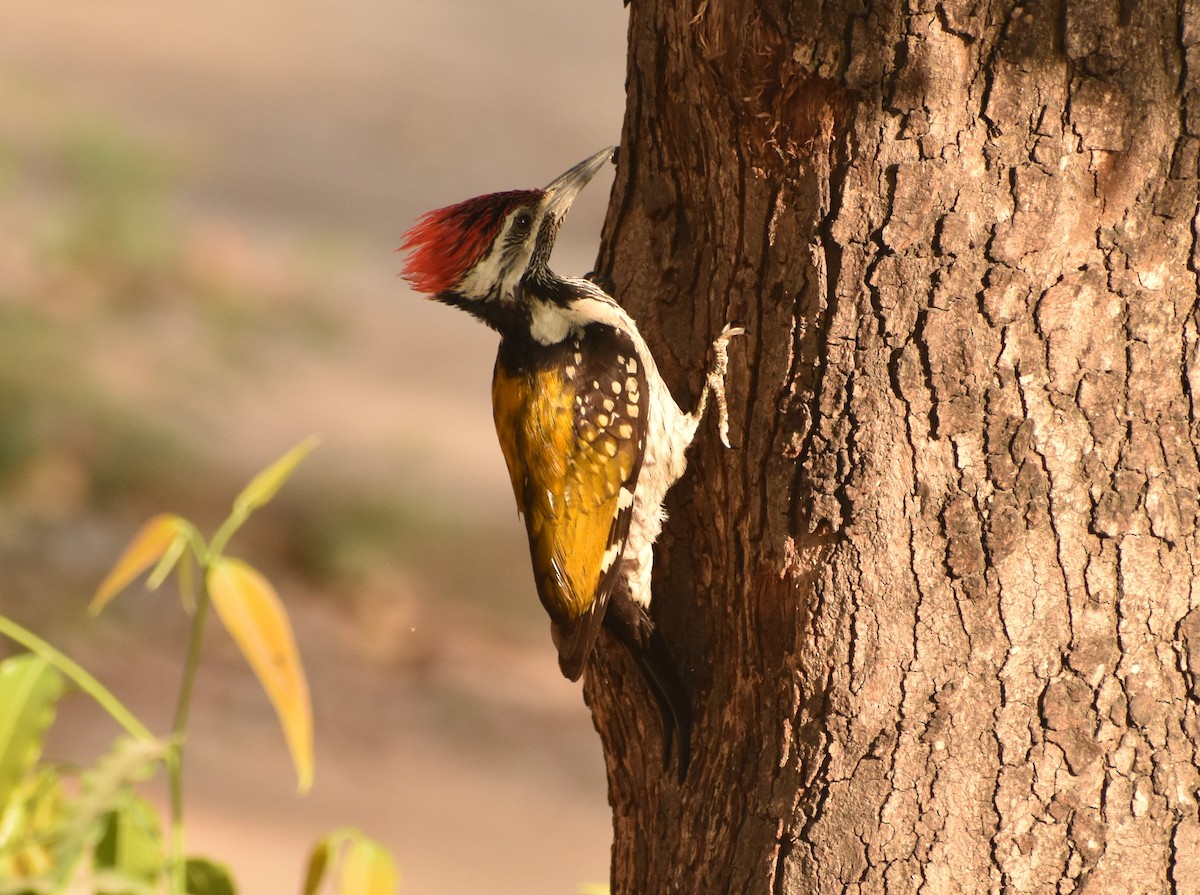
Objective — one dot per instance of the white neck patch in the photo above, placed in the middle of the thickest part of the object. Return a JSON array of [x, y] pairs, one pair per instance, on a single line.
[[550, 323]]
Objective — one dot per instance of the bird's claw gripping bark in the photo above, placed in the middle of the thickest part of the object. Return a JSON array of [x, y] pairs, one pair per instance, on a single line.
[[716, 377]]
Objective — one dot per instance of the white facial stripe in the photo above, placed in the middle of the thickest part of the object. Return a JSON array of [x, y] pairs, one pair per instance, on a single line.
[[505, 262]]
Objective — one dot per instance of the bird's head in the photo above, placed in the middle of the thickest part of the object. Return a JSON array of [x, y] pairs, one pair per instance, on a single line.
[[479, 252]]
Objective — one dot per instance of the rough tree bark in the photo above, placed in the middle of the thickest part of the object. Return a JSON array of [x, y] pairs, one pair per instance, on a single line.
[[939, 607]]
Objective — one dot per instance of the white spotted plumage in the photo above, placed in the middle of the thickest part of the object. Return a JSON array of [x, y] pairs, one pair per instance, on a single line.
[[670, 431]]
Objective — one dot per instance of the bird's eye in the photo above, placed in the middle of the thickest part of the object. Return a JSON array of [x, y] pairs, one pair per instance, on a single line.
[[522, 222]]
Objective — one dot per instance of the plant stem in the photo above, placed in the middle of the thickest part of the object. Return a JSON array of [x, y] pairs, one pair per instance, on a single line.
[[88, 684], [216, 546], [178, 734]]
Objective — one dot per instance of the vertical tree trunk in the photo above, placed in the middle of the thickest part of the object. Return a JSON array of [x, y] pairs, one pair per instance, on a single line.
[[938, 608]]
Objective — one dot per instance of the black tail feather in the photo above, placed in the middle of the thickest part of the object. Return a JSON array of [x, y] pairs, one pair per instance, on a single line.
[[636, 631]]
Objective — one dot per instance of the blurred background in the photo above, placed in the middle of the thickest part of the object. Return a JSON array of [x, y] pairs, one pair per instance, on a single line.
[[199, 206]]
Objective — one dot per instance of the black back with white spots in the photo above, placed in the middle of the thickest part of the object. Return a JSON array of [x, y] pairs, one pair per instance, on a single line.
[[604, 369]]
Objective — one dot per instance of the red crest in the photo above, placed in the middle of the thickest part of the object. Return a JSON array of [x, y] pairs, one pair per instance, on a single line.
[[443, 245]]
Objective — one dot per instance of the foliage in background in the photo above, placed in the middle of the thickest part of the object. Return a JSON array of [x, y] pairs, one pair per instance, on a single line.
[[352, 863], [124, 348], [62, 827], [116, 228], [132, 321]]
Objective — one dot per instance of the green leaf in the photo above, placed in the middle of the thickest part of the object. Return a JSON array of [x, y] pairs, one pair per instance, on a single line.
[[78, 676], [253, 615], [26, 887], [205, 877], [106, 882], [30, 826], [102, 788], [131, 844], [318, 862], [29, 690], [129, 761], [264, 485]]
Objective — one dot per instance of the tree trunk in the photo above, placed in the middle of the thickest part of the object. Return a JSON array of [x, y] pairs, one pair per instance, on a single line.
[[938, 608]]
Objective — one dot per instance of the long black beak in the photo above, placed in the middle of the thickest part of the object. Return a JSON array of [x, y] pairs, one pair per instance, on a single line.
[[563, 189]]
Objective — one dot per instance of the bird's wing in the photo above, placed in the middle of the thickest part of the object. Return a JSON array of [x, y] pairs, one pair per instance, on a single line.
[[572, 426]]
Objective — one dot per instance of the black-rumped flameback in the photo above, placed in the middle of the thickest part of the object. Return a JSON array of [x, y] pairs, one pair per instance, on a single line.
[[591, 435]]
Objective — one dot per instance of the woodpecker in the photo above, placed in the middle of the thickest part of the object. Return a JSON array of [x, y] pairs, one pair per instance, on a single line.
[[589, 430]]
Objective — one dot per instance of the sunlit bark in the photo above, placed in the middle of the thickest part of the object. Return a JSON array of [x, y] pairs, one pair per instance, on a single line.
[[937, 608]]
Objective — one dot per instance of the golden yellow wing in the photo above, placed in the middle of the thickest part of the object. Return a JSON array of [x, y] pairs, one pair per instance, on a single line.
[[573, 449]]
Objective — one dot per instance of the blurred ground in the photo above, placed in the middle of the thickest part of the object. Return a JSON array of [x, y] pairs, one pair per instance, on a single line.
[[198, 208]]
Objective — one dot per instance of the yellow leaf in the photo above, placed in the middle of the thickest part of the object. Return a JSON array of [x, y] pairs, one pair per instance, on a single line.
[[367, 869], [252, 613], [154, 539], [264, 485], [169, 558]]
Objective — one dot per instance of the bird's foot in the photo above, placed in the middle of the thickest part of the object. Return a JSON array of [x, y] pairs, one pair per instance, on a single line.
[[716, 377]]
